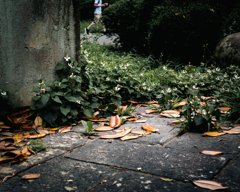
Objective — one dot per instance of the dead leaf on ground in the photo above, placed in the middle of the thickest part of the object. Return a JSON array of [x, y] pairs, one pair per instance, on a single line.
[[26, 133], [149, 128], [212, 185], [38, 121], [104, 128], [224, 109], [117, 135], [128, 137], [18, 138], [235, 130], [31, 176], [207, 152], [133, 101], [151, 111], [213, 134], [6, 134], [4, 148], [115, 121], [36, 136], [166, 179], [65, 129], [182, 103], [102, 151], [140, 121], [170, 115], [5, 127], [21, 115], [142, 133]]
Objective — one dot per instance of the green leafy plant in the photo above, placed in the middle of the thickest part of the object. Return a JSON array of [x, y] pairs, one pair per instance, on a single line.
[[89, 127], [128, 111], [36, 145]]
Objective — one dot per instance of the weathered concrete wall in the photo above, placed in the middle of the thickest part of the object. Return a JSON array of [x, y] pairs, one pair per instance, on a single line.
[[34, 36]]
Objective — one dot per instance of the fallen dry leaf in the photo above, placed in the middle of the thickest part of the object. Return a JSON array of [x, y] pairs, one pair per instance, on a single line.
[[235, 130], [182, 103], [4, 148], [213, 134], [6, 134], [207, 152], [212, 185], [65, 129], [166, 179], [5, 127], [36, 136], [224, 108], [38, 121], [149, 128], [175, 122], [151, 111], [102, 151], [117, 135], [31, 176], [26, 133], [115, 121], [169, 115], [142, 133], [18, 138], [128, 137], [140, 121], [105, 128]]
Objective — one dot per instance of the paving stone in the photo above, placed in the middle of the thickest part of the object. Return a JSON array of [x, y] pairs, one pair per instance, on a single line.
[[180, 165], [135, 182], [230, 175], [58, 174], [30, 161], [195, 143], [64, 141]]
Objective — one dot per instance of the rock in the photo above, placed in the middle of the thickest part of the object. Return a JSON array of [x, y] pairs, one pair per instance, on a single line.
[[227, 51]]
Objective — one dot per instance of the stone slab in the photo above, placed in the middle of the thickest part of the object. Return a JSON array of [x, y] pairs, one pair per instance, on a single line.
[[29, 162], [230, 175], [59, 173], [64, 141], [180, 165], [135, 182], [195, 143]]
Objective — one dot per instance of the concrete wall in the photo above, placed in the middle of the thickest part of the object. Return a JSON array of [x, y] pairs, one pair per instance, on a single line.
[[34, 36]]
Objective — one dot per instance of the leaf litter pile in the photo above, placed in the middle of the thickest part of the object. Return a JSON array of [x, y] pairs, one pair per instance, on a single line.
[[14, 137]]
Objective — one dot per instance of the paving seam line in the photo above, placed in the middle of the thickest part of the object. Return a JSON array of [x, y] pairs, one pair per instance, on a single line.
[[225, 166]]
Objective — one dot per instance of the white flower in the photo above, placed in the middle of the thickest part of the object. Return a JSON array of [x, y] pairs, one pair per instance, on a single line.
[[141, 74], [107, 79], [70, 65], [183, 71], [164, 67], [236, 76], [169, 90], [72, 75], [217, 78], [144, 88], [115, 67], [175, 89], [86, 68], [117, 88], [88, 61], [118, 80], [67, 58], [235, 71], [217, 69], [225, 75], [149, 89], [78, 102], [194, 87], [42, 90], [59, 84], [162, 91], [203, 84], [4, 93]]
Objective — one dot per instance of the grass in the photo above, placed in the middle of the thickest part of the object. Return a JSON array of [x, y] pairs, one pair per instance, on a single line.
[[95, 29]]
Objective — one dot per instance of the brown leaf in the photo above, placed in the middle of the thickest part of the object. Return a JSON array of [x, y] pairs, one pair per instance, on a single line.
[[20, 115], [5, 127], [207, 152], [115, 121], [224, 108], [6, 134], [213, 134], [117, 135], [151, 111], [184, 102], [18, 138], [36, 136], [51, 132], [112, 122], [128, 137], [142, 133], [118, 121], [65, 129], [102, 151], [149, 128], [177, 13], [140, 121], [1, 123], [31, 176], [104, 128], [171, 112], [26, 133], [6, 159], [212, 185], [175, 122], [133, 101], [38, 121], [4, 148]]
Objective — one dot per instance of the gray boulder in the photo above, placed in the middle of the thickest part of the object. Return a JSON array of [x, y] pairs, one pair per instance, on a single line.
[[227, 51]]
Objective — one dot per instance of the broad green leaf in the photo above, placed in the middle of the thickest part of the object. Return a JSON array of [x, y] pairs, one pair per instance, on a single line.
[[112, 107], [65, 111], [94, 104], [64, 80], [59, 66], [193, 92], [88, 112], [63, 86], [71, 98], [84, 124], [89, 126], [56, 99], [36, 98], [45, 98], [59, 93], [64, 119], [36, 89], [116, 100], [198, 119], [51, 117]]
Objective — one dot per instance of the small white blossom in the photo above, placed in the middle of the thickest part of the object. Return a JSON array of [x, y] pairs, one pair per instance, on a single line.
[[117, 88], [175, 89], [217, 69], [141, 74], [144, 88], [4, 93], [78, 102], [118, 80], [72, 75], [42, 90], [86, 68], [194, 87], [67, 58], [70, 65], [225, 75], [88, 61], [107, 79], [169, 90]]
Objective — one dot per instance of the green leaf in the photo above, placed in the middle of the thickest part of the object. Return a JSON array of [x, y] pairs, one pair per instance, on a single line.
[[193, 92], [45, 98], [63, 86], [64, 80], [36, 98], [89, 126], [36, 89], [211, 108], [94, 104], [111, 107], [65, 111], [60, 93], [71, 98], [88, 112], [198, 119], [51, 117], [116, 100], [84, 124], [59, 66], [64, 119], [56, 99]]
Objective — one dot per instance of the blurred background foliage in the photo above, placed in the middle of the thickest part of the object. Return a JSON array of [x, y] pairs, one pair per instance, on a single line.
[[187, 30]]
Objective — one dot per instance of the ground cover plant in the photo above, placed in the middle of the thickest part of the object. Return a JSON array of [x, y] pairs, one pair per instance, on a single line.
[[96, 29]]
